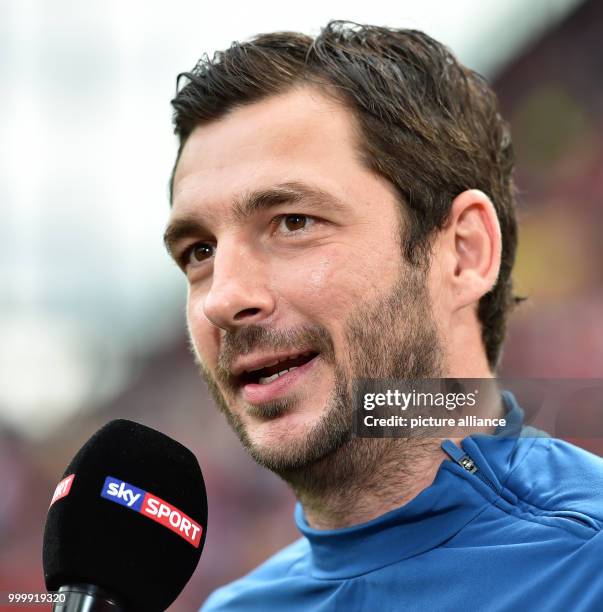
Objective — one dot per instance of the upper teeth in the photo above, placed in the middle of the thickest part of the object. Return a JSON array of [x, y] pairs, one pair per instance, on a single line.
[[267, 365], [264, 380]]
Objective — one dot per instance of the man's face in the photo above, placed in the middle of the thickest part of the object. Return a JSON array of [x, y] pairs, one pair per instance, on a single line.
[[292, 252]]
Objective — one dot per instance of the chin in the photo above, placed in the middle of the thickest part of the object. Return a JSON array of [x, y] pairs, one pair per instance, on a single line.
[[280, 431]]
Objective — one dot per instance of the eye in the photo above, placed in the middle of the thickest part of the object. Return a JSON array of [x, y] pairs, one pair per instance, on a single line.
[[293, 223], [197, 253]]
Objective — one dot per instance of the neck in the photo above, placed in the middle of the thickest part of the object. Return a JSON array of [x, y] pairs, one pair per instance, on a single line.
[[366, 478], [356, 494]]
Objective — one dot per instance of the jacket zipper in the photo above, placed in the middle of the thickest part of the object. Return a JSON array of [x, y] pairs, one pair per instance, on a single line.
[[466, 462]]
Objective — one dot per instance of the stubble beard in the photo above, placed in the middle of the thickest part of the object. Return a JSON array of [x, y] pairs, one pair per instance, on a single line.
[[393, 337]]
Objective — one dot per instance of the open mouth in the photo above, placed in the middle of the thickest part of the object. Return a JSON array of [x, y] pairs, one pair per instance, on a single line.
[[268, 374]]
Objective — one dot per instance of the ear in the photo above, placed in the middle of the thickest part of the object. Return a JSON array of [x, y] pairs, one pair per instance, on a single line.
[[474, 247]]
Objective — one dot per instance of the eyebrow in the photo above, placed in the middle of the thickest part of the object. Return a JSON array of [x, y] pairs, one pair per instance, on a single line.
[[252, 203]]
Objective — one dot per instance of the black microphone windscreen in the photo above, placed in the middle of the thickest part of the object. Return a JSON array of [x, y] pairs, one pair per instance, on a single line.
[[129, 516]]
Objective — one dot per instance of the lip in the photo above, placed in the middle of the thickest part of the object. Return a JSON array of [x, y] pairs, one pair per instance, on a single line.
[[254, 393]]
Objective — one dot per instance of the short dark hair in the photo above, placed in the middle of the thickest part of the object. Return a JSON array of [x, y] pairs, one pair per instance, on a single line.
[[428, 124]]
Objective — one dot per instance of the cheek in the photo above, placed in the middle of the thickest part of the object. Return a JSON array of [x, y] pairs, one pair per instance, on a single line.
[[331, 283], [200, 331]]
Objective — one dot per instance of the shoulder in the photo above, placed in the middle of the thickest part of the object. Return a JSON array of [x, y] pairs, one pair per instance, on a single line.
[[248, 592], [554, 474]]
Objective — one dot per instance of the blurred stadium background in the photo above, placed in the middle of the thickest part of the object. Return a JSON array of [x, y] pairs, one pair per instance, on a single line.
[[92, 311]]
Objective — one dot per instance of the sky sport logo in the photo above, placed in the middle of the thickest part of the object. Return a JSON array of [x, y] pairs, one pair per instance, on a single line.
[[152, 507]]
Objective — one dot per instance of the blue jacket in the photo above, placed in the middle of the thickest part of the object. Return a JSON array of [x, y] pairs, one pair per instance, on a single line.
[[522, 532]]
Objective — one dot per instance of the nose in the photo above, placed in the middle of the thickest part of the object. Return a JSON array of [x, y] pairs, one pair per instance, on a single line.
[[240, 293]]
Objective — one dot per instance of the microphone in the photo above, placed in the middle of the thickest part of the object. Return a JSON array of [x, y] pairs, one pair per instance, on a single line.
[[126, 524]]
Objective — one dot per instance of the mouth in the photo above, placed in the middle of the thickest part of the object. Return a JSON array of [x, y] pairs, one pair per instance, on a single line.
[[268, 374], [270, 382]]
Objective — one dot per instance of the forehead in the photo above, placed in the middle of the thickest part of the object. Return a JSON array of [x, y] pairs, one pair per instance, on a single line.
[[301, 135]]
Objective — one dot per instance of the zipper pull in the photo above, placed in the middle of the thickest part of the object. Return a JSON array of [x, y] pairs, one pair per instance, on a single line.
[[458, 456], [465, 461]]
